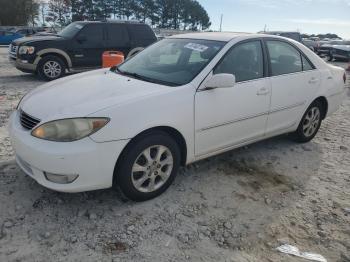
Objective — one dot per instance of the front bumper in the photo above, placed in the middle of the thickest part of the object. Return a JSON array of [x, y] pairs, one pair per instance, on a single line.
[[93, 162], [25, 66]]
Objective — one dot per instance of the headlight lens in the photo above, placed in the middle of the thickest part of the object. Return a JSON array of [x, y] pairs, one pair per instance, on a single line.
[[68, 130], [26, 50]]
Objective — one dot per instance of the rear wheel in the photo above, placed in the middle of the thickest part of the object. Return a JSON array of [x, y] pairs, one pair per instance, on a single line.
[[148, 166], [310, 123], [51, 68]]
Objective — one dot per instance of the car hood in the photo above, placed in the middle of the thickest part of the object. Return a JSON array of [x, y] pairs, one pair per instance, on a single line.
[[83, 94], [33, 39]]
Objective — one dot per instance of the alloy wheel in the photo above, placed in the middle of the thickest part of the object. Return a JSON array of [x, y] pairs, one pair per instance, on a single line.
[[152, 168], [52, 69], [311, 121]]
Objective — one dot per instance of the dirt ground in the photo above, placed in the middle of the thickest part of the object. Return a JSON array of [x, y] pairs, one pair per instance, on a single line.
[[238, 206]]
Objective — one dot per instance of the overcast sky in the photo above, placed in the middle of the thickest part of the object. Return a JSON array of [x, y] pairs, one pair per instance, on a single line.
[[307, 16]]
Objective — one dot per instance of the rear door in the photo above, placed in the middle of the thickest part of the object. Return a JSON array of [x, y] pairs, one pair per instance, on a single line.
[[294, 81], [88, 46], [117, 38]]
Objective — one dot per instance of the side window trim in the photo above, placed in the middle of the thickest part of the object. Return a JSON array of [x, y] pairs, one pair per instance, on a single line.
[[302, 56], [263, 51]]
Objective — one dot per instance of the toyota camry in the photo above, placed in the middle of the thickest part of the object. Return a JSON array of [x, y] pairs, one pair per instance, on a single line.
[[183, 99]]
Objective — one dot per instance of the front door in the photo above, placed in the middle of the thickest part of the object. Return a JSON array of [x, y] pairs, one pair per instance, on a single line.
[[228, 117], [294, 80], [88, 46]]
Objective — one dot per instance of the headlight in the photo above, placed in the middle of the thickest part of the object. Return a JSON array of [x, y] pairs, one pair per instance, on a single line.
[[26, 50], [68, 130]]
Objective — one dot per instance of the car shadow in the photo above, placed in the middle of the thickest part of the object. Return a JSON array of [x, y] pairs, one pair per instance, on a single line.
[[250, 187]]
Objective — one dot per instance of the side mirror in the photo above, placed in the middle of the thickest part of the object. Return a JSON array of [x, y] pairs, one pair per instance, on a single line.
[[220, 81], [81, 38]]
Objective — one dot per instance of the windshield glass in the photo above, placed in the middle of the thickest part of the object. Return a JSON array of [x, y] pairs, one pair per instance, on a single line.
[[172, 61], [71, 30]]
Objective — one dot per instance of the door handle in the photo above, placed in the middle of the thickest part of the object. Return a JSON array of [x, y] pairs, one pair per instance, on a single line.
[[263, 91], [313, 80]]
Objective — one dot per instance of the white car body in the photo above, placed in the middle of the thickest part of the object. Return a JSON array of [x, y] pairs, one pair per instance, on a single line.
[[209, 122]]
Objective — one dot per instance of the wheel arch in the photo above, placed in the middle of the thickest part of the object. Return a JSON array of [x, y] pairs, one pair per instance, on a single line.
[[55, 52], [323, 100], [172, 132]]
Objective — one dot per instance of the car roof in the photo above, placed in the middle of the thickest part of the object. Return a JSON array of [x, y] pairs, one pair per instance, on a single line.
[[215, 36], [130, 22], [279, 32], [222, 36]]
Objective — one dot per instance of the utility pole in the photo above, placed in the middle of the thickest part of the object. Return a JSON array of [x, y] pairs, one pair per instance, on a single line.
[[221, 22]]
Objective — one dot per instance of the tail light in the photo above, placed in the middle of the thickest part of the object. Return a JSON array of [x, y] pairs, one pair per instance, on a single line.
[[344, 78]]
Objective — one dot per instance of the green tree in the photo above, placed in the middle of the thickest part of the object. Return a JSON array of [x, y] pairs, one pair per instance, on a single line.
[[19, 12], [59, 12]]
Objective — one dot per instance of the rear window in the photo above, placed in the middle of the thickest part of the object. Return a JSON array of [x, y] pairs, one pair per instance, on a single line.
[[141, 32]]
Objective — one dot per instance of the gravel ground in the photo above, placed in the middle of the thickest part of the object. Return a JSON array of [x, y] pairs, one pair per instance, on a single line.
[[238, 206]]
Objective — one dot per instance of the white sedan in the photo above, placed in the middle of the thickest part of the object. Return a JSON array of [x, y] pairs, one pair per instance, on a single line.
[[185, 98]]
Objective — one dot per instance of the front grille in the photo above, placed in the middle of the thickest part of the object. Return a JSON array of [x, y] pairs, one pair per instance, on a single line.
[[13, 51], [27, 121]]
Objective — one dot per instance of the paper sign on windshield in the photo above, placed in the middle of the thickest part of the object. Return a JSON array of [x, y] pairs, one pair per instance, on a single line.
[[196, 47]]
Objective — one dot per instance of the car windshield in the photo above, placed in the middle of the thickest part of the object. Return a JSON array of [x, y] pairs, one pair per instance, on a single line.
[[71, 30], [172, 62]]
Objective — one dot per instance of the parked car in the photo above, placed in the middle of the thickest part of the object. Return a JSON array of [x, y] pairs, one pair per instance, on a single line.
[[183, 99], [326, 47], [6, 37], [78, 47], [340, 52]]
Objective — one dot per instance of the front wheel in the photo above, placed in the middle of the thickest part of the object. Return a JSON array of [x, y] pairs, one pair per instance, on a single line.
[[51, 68], [310, 123], [148, 166]]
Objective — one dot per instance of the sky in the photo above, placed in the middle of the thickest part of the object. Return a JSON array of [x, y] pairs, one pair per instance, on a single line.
[[306, 16]]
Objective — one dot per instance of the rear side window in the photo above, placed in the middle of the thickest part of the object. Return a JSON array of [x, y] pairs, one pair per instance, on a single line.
[[284, 58], [117, 34], [245, 61], [141, 32], [306, 64]]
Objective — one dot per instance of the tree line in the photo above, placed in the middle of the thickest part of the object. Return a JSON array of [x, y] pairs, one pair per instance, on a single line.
[[171, 14]]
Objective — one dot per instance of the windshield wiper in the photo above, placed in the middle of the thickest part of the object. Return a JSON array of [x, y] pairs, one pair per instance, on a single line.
[[141, 77]]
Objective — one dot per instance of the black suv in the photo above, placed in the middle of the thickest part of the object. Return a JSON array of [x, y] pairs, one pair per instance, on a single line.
[[78, 47]]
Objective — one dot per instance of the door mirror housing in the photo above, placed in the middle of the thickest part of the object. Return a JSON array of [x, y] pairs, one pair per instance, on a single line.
[[81, 38], [220, 81]]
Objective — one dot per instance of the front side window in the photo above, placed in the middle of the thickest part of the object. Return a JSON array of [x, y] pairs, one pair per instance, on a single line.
[[172, 62], [284, 58], [71, 30], [245, 61]]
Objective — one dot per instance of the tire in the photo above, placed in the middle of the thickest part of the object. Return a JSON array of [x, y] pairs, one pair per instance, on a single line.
[[329, 58], [134, 173], [51, 67], [308, 128]]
